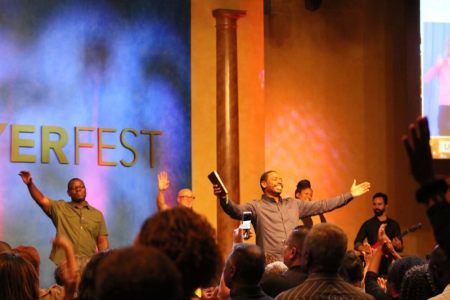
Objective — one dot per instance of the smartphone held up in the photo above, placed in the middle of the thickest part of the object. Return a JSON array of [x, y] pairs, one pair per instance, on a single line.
[[245, 225]]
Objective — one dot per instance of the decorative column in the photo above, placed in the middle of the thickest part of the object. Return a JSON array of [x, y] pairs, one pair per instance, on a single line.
[[227, 126]]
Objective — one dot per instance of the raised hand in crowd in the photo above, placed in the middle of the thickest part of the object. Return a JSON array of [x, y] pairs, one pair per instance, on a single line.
[[432, 191], [163, 185], [70, 271], [417, 145], [238, 235], [163, 181]]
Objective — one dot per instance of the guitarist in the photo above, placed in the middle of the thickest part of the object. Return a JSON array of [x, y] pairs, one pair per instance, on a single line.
[[369, 230]]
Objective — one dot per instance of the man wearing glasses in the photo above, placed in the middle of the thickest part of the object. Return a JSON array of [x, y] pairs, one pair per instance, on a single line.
[[185, 196], [81, 223]]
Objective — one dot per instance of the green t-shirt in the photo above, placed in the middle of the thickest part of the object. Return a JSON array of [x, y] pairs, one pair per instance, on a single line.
[[81, 226]]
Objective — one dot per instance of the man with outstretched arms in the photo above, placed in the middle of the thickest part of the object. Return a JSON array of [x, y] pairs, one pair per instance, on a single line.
[[274, 217], [81, 223]]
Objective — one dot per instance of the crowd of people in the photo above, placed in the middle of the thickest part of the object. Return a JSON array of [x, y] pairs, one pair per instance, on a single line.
[[296, 256]]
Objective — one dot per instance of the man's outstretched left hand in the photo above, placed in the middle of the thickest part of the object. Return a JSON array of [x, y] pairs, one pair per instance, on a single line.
[[360, 189]]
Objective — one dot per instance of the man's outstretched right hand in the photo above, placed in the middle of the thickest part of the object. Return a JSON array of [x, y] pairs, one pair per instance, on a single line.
[[26, 177]]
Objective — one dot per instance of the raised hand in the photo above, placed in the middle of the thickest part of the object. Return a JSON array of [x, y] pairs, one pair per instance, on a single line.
[[360, 189], [237, 235], [368, 254], [417, 145], [382, 237], [26, 177], [70, 271], [163, 181], [382, 283]]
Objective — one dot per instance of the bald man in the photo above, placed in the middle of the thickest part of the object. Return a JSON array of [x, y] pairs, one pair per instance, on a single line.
[[185, 196]]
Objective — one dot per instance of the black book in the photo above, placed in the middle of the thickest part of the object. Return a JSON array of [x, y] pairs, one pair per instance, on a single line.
[[215, 179]]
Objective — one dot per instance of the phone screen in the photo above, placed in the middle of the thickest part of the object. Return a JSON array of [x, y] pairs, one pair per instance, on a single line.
[[246, 220], [246, 224]]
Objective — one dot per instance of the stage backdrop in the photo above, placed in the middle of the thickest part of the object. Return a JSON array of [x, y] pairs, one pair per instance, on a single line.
[[98, 90]]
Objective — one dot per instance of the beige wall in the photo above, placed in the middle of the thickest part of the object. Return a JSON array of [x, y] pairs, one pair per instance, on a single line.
[[337, 98]]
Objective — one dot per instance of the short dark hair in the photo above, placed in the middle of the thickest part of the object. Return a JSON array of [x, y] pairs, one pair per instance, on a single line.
[[416, 284], [302, 184], [439, 267], [297, 238], [86, 289], [264, 178], [137, 273], [381, 195], [398, 268], [249, 261], [72, 180], [352, 268], [324, 248], [188, 240]]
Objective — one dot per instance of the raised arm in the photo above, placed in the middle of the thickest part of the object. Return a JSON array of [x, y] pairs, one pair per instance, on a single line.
[[38, 197], [311, 208], [70, 271], [432, 191], [230, 208], [163, 185], [418, 148]]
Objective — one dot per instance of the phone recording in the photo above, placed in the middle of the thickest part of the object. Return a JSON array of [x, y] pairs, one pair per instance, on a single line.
[[246, 222]]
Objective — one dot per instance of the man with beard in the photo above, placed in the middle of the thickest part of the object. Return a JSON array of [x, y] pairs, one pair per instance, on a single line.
[[370, 228], [274, 217], [81, 223]]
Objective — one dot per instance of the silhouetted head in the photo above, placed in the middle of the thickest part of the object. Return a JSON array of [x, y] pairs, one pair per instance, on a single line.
[[324, 248], [244, 266], [293, 246], [352, 269], [137, 273], [188, 240], [18, 278]]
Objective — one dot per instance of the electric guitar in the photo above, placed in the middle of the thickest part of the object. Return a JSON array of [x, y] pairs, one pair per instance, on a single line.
[[413, 228]]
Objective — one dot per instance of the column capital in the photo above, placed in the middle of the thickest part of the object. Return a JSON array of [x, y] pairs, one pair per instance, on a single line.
[[228, 13]]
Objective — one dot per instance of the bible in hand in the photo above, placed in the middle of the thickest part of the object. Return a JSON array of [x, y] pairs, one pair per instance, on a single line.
[[215, 179]]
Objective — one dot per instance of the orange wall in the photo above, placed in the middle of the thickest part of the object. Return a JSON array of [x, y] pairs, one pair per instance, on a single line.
[[336, 106]]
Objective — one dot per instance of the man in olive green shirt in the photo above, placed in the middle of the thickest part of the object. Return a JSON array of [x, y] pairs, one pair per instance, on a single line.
[[81, 223]]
